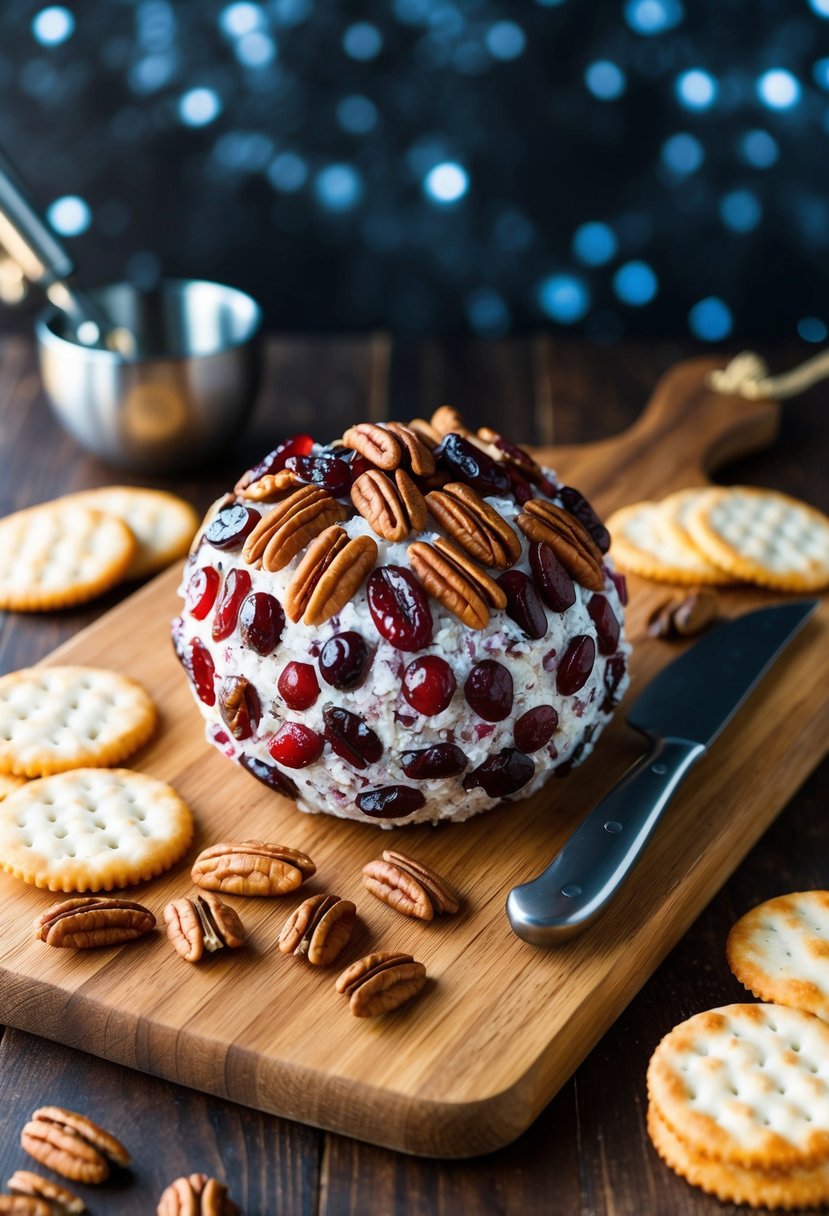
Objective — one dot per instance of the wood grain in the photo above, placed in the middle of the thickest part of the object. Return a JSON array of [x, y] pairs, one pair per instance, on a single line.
[[472, 1064]]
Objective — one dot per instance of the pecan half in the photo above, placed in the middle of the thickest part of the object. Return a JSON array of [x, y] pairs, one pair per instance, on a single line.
[[374, 442], [270, 487], [475, 525], [72, 1145], [196, 1195], [684, 617], [567, 537], [251, 868], [93, 920], [58, 1200], [449, 586], [484, 583], [381, 982], [446, 420], [391, 508], [27, 1205], [239, 706], [409, 886], [425, 432], [319, 928], [202, 924], [416, 454], [290, 526], [329, 575]]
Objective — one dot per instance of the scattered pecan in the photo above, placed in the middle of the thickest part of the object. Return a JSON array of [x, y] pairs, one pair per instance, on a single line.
[[239, 706], [425, 432], [381, 982], [683, 617], [409, 886], [72, 1145], [93, 920], [501, 449], [290, 526], [319, 928], [567, 537], [251, 868], [202, 924], [416, 454], [196, 1195], [270, 487], [391, 508], [446, 420], [449, 586], [374, 442], [328, 575], [27, 1205], [484, 583], [58, 1199], [475, 525]]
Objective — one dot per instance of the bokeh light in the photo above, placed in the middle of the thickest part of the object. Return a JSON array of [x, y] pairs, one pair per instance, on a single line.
[[288, 172], [696, 89], [635, 283], [594, 243], [487, 313], [564, 298], [505, 40], [338, 187], [710, 319], [446, 182], [70, 215], [812, 329], [605, 80], [821, 7], [362, 41], [682, 154], [760, 149], [53, 25], [740, 211], [357, 114], [199, 107], [236, 20], [649, 17], [779, 89]]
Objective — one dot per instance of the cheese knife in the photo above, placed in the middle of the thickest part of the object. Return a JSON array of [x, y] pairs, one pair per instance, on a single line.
[[682, 711]]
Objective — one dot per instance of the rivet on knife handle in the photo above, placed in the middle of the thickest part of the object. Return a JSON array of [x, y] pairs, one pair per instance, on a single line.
[[586, 874]]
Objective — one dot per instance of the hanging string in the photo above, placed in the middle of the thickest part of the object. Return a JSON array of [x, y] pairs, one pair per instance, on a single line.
[[748, 375]]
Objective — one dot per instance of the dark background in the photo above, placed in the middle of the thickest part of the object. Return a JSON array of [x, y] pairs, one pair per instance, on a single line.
[[443, 165]]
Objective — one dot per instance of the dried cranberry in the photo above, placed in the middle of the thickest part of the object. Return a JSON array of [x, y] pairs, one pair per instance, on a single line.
[[488, 690], [524, 604], [576, 665], [399, 608], [614, 672], [261, 621], [549, 486], [344, 660], [269, 775], [501, 775], [237, 585], [620, 583], [607, 627], [239, 706], [201, 591], [390, 801], [529, 467], [350, 738], [429, 684], [358, 465], [554, 583], [294, 445], [522, 491], [197, 661], [298, 685], [439, 760], [328, 472], [468, 463], [578, 505], [231, 526], [535, 728], [295, 745]]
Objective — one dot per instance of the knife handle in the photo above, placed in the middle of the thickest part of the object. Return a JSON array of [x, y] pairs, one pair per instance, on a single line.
[[588, 871]]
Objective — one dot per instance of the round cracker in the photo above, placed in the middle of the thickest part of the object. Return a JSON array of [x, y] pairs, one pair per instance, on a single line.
[[747, 1085], [163, 524], [58, 718], [58, 554], [93, 829], [780, 951], [798, 1188], [641, 545], [763, 536]]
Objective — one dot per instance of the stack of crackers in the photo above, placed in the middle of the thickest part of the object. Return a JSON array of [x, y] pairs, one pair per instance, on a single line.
[[73, 548], [724, 535], [739, 1096]]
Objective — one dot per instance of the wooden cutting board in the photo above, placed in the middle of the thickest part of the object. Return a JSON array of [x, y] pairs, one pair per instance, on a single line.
[[501, 1024]]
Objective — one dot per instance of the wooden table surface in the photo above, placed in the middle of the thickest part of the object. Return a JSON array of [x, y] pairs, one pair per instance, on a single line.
[[588, 1153]]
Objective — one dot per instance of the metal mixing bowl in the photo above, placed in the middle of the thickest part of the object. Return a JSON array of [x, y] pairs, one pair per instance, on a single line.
[[186, 392]]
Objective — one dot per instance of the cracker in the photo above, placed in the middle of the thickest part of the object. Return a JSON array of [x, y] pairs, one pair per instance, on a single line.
[[797, 1188], [780, 951], [8, 784], [58, 718], [642, 546], [763, 537], [93, 829], [746, 1085], [60, 554], [163, 524]]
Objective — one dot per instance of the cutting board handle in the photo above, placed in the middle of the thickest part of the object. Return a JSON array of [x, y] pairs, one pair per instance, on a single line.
[[685, 433]]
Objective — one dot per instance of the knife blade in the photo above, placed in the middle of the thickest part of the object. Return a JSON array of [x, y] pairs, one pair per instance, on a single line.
[[681, 711]]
